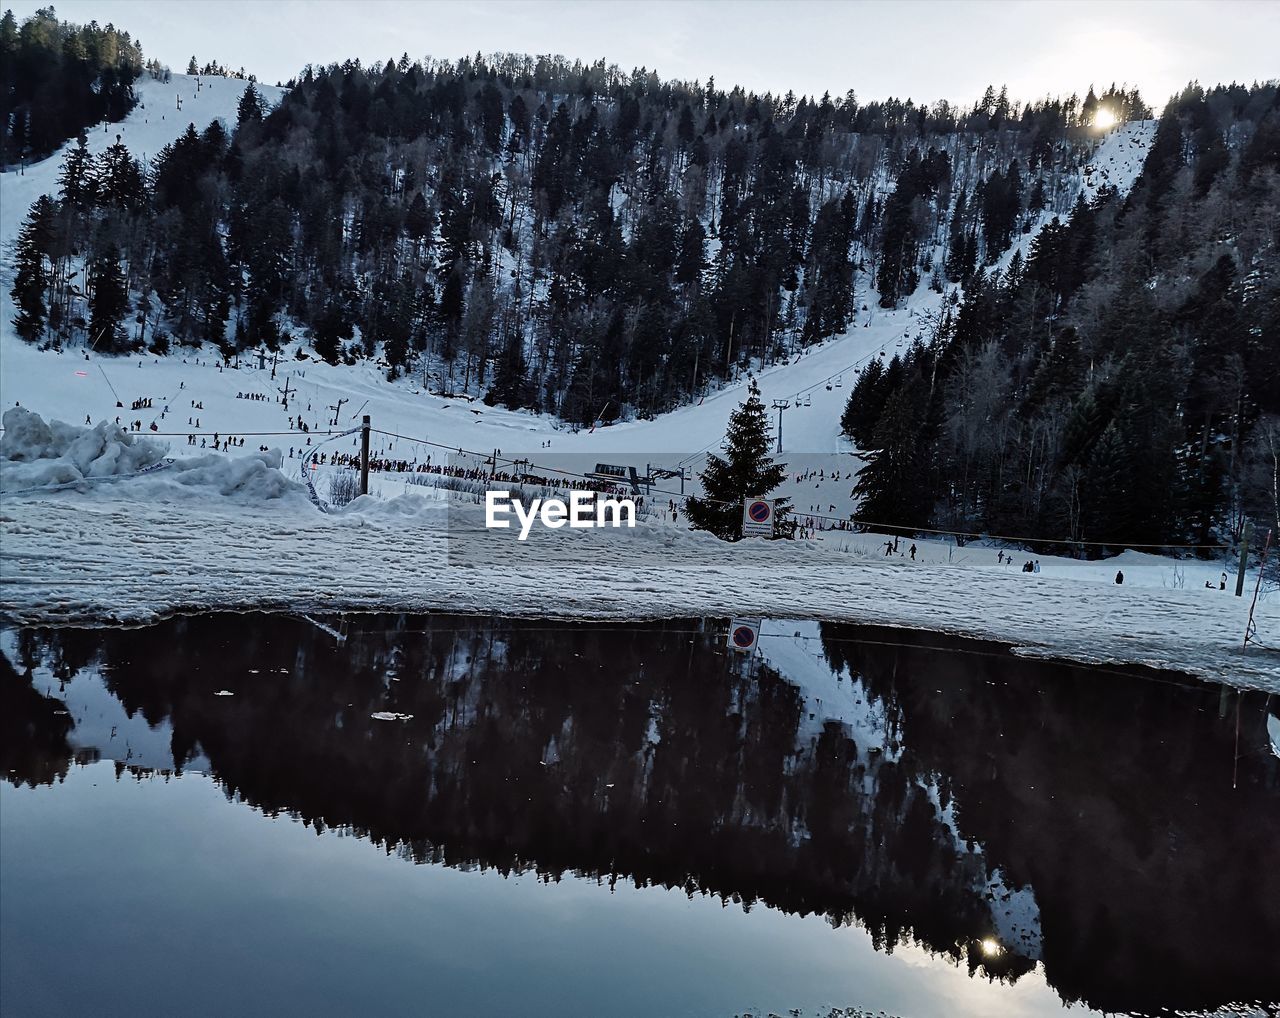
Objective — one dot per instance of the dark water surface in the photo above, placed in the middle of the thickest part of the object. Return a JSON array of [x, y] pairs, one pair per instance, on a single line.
[[205, 817]]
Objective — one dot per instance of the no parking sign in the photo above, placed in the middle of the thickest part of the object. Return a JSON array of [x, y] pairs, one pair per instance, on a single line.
[[744, 634], [757, 517]]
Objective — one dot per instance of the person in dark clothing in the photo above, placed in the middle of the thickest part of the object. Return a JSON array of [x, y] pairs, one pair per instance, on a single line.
[[1119, 576], [913, 553]]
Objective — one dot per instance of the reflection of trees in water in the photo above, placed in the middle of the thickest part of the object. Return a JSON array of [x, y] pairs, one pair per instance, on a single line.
[[1157, 882], [33, 735], [647, 753]]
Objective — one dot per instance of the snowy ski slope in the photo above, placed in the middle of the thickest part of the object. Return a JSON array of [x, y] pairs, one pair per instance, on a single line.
[[153, 123], [817, 383]]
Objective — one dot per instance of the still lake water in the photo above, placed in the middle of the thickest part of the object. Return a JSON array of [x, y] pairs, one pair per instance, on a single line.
[[214, 816]]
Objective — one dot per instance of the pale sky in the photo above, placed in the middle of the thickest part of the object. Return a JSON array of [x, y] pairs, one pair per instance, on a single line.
[[924, 50]]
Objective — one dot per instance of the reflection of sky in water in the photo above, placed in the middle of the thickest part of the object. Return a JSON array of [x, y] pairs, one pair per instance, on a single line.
[[216, 909]]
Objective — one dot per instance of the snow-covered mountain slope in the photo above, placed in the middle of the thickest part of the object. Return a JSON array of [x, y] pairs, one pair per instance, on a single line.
[[152, 124], [816, 384], [1115, 163]]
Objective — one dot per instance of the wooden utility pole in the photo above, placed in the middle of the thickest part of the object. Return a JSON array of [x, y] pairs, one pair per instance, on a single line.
[[364, 456]]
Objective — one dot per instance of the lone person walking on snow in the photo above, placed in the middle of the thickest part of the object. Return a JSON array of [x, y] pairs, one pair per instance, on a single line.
[[1119, 576]]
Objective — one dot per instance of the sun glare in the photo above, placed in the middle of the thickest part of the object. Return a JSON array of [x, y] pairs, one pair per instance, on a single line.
[[1104, 119]]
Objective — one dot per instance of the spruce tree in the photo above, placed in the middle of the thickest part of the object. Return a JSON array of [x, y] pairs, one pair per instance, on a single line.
[[77, 182], [746, 471], [109, 301], [892, 486], [251, 107], [31, 280]]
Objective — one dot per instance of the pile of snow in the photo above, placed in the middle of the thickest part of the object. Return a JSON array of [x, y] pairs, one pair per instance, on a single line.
[[37, 457], [34, 454], [255, 477]]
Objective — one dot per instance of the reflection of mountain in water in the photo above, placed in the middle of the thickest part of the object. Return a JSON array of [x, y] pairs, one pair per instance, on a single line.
[[1085, 818]]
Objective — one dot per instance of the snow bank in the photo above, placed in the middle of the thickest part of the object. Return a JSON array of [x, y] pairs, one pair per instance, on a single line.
[[408, 507], [256, 477], [36, 456]]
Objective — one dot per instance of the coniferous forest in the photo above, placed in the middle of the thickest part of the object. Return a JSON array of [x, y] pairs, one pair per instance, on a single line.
[[595, 243], [56, 79], [1123, 384]]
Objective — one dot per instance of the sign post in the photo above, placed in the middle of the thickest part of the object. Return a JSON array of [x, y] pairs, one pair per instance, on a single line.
[[757, 517]]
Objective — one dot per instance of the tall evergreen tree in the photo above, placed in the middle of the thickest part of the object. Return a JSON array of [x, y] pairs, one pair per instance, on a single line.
[[893, 485], [31, 280], [77, 183], [108, 300], [251, 106], [747, 470]]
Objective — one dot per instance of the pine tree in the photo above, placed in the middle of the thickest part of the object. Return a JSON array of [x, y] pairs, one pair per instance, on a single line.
[[251, 107], [119, 178], [109, 301], [746, 471], [31, 280], [892, 486], [192, 66], [419, 224], [76, 182], [956, 241], [866, 401]]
